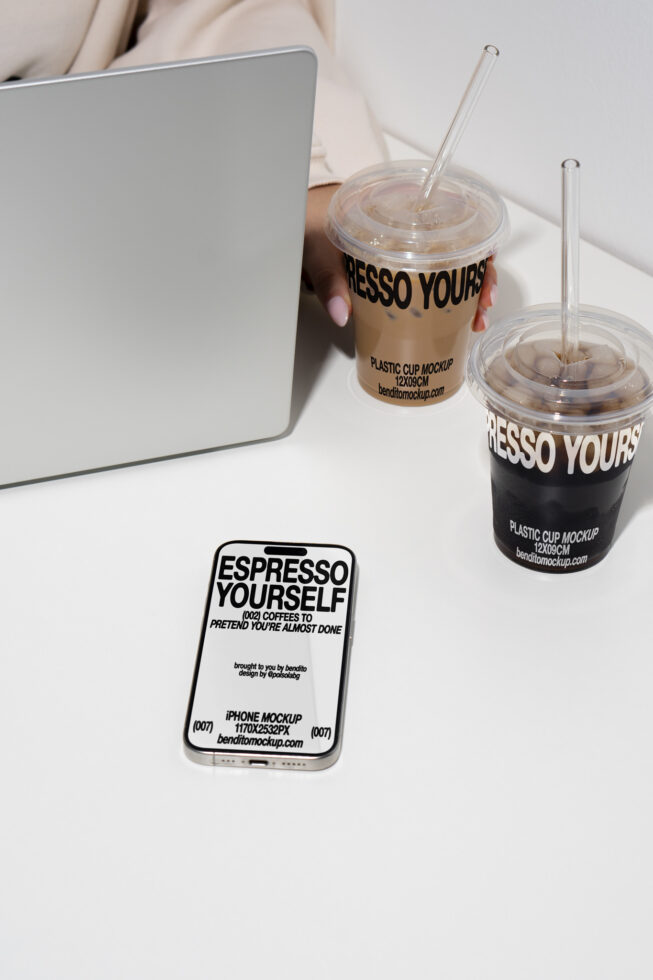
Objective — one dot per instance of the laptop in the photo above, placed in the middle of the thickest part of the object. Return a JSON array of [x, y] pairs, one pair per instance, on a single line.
[[150, 259]]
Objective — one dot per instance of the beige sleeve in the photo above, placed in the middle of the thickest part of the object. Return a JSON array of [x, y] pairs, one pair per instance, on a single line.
[[39, 39], [345, 136]]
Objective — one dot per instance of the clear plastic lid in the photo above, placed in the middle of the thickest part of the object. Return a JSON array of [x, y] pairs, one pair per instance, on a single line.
[[372, 216], [515, 368]]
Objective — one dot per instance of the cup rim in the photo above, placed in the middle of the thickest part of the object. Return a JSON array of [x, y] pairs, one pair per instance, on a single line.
[[558, 422]]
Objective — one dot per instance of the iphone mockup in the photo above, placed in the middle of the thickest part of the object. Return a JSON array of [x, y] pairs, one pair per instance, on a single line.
[[270, 677]]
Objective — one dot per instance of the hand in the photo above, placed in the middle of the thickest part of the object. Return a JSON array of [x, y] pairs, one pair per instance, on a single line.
[[487, 297], [323, 269]]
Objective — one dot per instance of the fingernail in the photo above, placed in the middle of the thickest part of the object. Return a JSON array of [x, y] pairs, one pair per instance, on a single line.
[[338, 310], [493, 294], [484, 323]]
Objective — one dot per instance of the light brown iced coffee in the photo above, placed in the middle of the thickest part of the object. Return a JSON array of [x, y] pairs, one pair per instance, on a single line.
[[414, 277], [412, 347]]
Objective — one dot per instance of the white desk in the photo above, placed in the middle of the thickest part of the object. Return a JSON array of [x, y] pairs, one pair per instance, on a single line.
[[491, 813]]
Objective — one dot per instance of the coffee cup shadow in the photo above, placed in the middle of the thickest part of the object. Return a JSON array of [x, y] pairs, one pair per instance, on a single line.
[[639, 490], [316, 335]]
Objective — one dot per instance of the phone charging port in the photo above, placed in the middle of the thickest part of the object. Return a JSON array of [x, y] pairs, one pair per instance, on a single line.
[[258, 762]]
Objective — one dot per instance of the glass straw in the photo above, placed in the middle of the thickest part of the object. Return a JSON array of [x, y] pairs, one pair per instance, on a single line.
[[458, 124], [570, 248]]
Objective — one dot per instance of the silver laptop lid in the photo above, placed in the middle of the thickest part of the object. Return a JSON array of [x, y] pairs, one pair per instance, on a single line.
[[152, 228]]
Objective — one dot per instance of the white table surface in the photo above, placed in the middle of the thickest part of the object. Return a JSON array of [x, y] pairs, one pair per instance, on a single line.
[[491, 813]]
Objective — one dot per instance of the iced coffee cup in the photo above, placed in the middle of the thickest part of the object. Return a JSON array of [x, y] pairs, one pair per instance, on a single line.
[[414, 276], [562, 435]]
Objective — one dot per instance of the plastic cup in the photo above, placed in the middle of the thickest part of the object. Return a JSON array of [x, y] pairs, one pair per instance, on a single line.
[[414, 276], [561, 437]]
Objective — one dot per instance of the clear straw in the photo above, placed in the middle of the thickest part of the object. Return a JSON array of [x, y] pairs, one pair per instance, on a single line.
[[570, 248], [458, 124]]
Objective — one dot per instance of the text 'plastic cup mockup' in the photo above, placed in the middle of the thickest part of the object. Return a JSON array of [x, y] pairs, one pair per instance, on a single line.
[[414, 277], [562, 438]]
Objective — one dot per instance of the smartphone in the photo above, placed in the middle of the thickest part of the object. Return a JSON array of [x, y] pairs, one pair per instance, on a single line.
[[271, 671]]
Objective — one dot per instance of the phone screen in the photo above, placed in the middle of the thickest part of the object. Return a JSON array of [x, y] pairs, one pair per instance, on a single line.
[[270, 676]]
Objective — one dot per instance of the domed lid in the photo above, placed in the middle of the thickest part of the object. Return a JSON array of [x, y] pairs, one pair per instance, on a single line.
[[371, 215], [515, 368]]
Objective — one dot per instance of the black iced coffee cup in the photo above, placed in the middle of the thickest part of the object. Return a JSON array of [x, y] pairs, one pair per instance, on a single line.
[[562, 438]]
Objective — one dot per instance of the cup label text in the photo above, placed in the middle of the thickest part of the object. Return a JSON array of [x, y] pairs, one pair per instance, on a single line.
[[447, 287], [579, 454]]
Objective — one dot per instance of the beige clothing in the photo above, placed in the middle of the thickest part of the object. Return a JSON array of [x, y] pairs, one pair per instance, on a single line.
[[57, 37]]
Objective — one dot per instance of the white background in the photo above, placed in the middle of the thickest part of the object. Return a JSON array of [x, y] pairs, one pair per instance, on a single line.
[[574, 79], [490, 815]]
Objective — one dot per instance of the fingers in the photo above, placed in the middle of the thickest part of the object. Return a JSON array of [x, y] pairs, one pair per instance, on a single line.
[[487, 298], [322, 264], [324, 272], [338, 309], [489, 288]]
